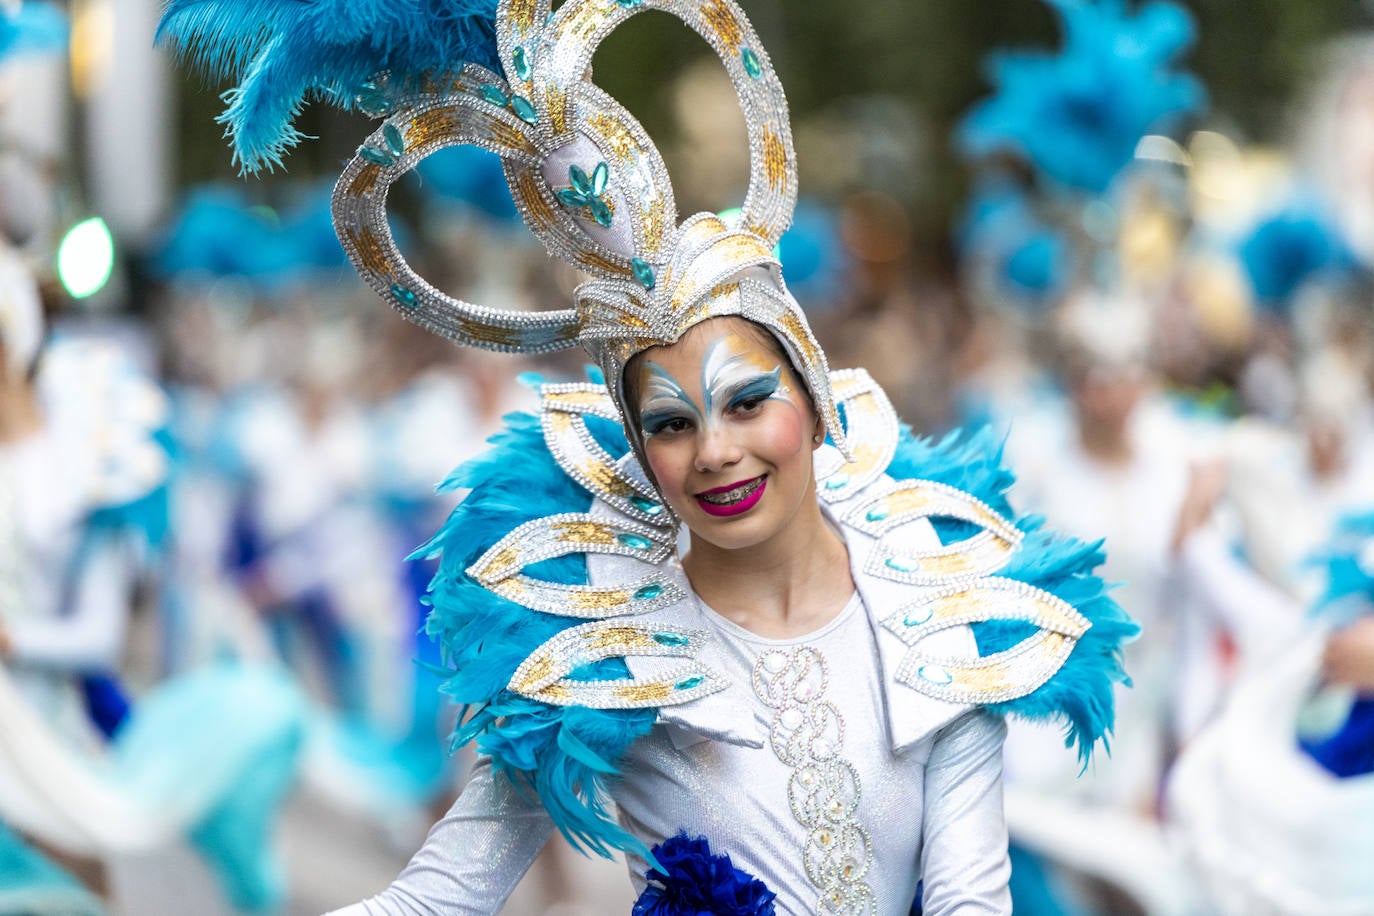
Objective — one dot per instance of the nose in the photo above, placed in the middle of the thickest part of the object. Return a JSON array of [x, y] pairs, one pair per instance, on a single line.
[[717, 449]]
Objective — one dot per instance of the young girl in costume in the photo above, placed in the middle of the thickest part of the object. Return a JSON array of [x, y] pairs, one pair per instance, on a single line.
[[718, 585]]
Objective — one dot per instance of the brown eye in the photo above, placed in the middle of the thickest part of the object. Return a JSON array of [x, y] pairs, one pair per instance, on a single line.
[[666, 425]]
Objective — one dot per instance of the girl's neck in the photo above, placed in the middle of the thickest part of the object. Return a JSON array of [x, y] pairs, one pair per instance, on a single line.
[[788, 586]]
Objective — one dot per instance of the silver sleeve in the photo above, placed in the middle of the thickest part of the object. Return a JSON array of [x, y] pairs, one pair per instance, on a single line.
[[473, 858], [964, 861]]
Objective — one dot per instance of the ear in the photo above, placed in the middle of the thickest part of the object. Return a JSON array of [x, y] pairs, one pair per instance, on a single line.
[[818, 433]]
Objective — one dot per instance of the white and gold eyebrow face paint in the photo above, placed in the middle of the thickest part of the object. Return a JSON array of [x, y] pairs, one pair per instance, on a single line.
[[735, 373]]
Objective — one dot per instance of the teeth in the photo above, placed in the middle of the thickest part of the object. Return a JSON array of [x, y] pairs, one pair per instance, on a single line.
[[732, 496]]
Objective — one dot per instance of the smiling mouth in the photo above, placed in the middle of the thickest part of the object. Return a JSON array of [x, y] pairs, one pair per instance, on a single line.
[[734, 498]]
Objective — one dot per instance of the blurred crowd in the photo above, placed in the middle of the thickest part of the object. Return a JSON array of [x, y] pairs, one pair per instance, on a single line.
[[216, 490]]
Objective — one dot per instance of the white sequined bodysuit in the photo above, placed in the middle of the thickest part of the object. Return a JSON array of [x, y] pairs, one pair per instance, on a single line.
[[823, 809]]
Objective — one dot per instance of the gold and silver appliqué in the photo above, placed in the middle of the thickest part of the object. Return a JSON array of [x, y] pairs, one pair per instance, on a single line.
[[953, 583], [823, 790], [642, 531], [950, 584], [591, 185]]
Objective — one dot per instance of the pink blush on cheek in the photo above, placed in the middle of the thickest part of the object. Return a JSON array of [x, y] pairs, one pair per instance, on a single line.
[[784, 431], [667, 472]]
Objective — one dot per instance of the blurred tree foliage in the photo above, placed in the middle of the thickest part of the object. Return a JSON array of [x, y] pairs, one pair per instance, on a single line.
[[1253, 56]]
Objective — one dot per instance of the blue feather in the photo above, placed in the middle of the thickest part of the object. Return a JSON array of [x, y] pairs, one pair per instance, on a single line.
[[218, 234], [1077, 116], [284, 53], [1286, 249], [567, 755], [1080, 693]]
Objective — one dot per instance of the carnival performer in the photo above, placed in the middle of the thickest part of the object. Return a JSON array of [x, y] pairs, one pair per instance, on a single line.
[[1301, 718], [718, 586]]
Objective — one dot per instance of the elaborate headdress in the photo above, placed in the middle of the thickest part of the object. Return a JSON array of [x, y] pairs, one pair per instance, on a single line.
[[585, 175]]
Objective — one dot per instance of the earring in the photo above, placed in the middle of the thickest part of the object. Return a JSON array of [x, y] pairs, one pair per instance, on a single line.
[[816, 439]]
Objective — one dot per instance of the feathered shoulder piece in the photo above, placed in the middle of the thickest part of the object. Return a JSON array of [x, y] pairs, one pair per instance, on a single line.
[[551, 666], [1048, 634]]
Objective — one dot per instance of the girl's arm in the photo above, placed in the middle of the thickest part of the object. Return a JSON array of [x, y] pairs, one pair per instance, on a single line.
[[473, 858], [964, 860], [90, 635]]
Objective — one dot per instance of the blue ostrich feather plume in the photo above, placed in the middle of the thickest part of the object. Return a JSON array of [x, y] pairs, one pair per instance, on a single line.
[[1286, 249], [34, 28], [1077, 116], [282, 53], [567, 755], [1080, 693], [690, 880]]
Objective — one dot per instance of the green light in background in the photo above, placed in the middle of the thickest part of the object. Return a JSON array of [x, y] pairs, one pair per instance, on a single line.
[[85, 258]]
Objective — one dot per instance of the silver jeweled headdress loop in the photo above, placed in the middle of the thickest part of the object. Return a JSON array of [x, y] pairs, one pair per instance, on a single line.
[[592, 186]]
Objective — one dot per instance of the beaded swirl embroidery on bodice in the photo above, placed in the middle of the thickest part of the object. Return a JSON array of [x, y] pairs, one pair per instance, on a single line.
[[807, 734]]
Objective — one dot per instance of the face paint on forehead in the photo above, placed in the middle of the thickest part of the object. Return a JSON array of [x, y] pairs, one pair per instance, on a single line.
[[733, 370], [733, 367]]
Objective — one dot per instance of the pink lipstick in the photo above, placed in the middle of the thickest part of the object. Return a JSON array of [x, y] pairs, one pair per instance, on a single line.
[[734, 498]]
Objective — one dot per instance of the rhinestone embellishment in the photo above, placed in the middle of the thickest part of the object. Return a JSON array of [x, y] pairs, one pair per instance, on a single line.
[[807, 734]]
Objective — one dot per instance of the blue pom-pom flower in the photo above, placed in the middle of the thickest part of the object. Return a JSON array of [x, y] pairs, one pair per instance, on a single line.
[[691, 881]]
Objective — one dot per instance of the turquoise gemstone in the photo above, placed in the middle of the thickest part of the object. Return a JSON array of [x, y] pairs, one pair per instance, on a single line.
[[371, 101], [643, 273], [600, 212], [376, 156], [876, 514], [670, 639], [836, 481], [634, 541], [629, 4], [579, 179], [919, 616], [523, 109], [689, 683], [493, 95], [647, 506], [571, 197], [521, 58], [394, 141], [935, 674], [404, 296], [600, 176], [904, 564], [649, 592], [751, 63]]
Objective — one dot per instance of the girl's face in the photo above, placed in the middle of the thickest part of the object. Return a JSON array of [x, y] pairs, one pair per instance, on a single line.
[[728, 433]]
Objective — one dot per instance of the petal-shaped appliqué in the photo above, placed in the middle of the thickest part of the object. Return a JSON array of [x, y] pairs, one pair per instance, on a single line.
[[1052, 629], [501, 568], [872, 429], [544, 675], [563, 418], [896, 556]]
